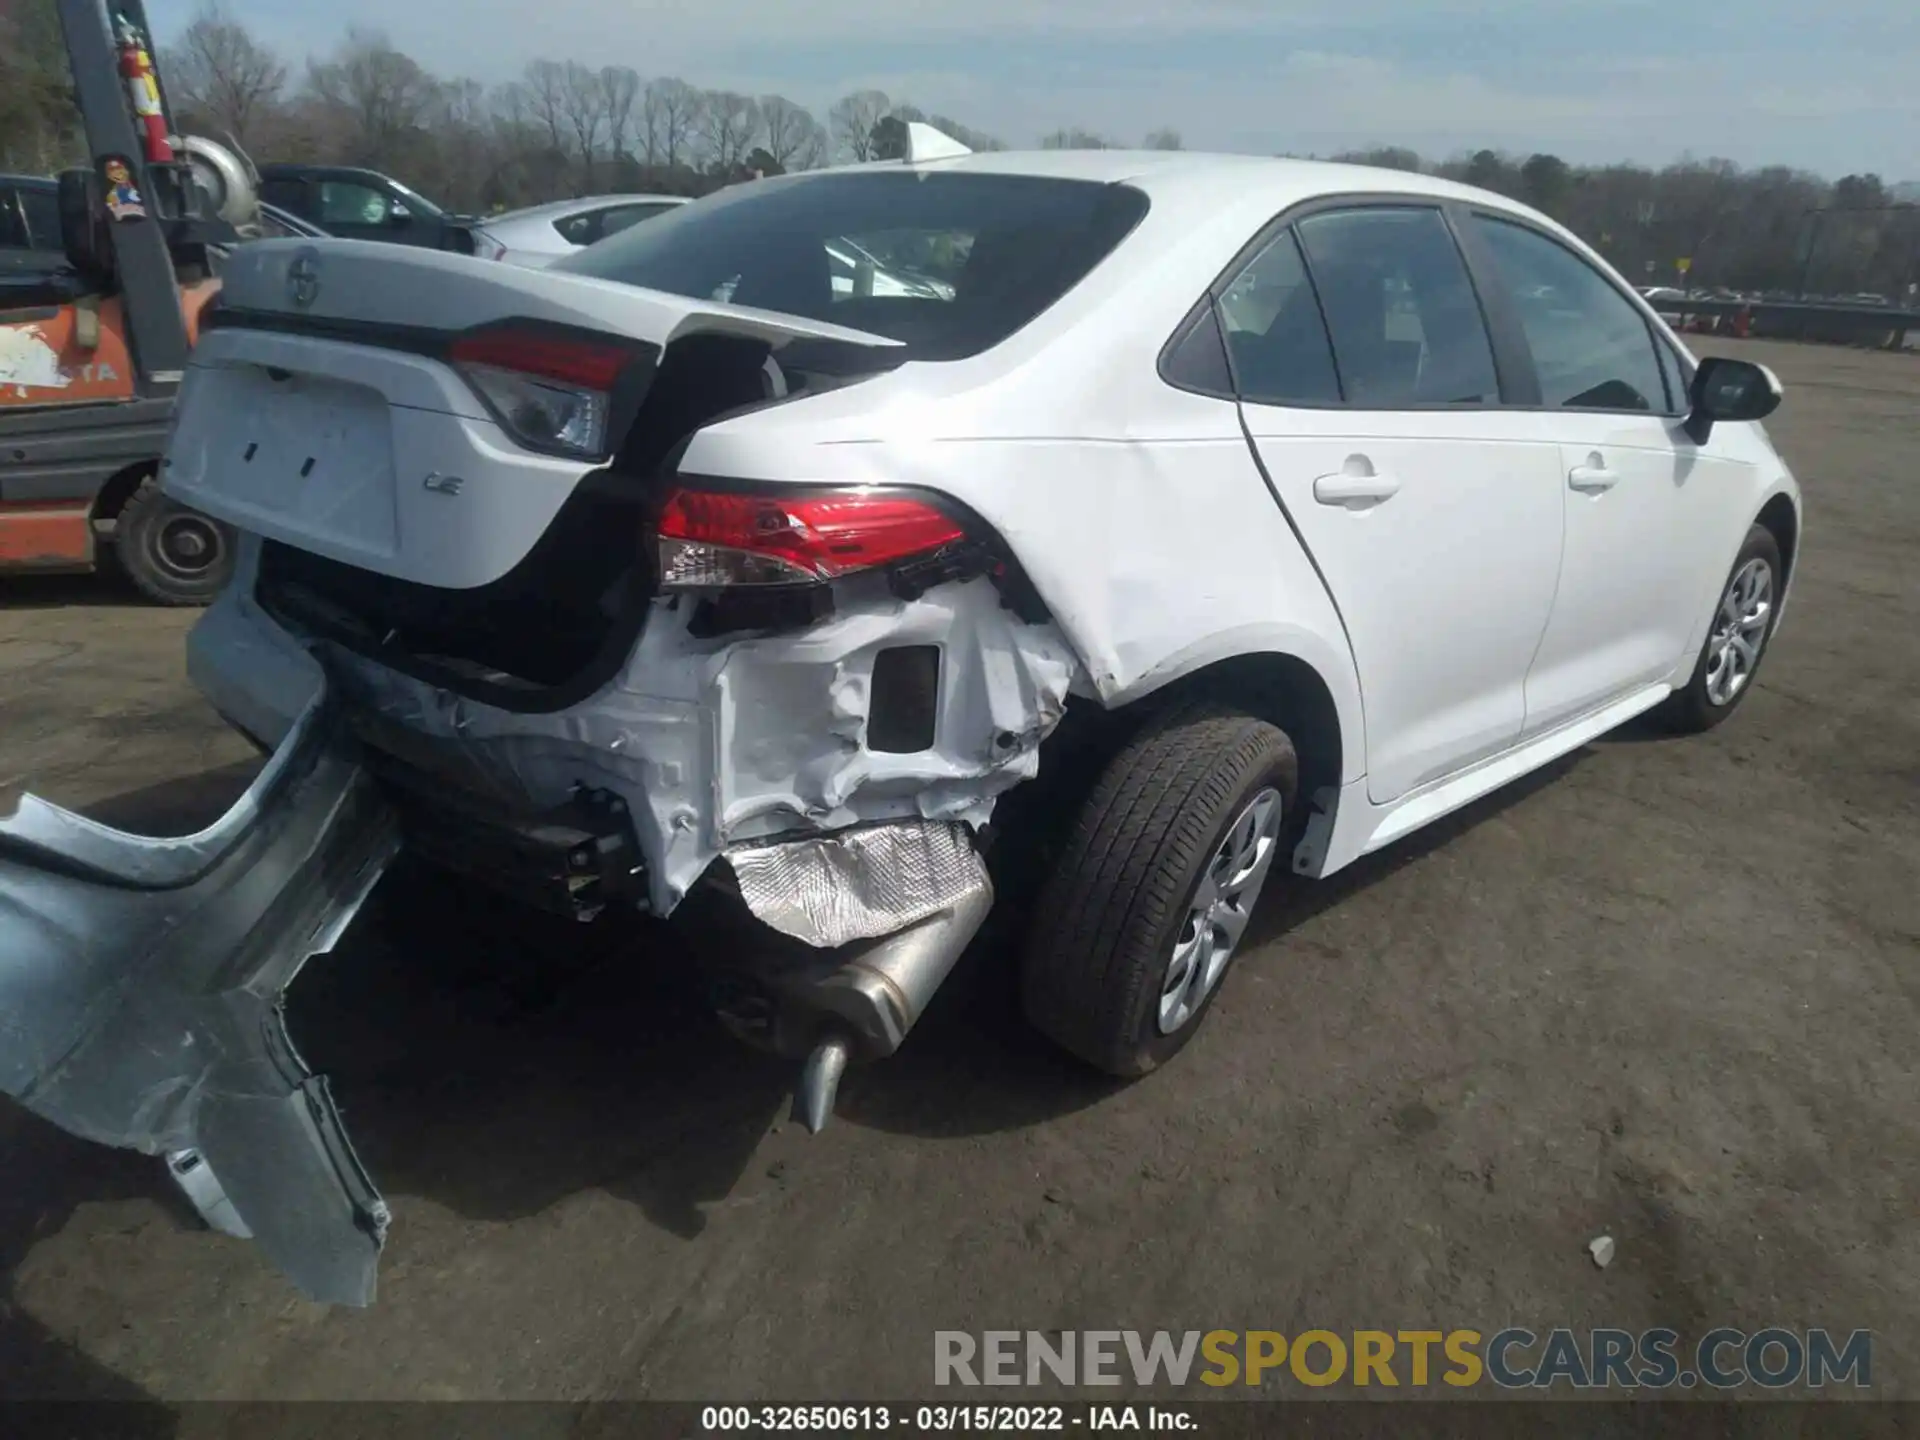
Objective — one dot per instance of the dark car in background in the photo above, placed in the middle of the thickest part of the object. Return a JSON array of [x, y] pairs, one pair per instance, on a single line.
[[363, 205], [29, 223]]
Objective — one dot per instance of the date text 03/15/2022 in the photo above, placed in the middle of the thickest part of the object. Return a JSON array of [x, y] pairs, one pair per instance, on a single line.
[[944, 1419]]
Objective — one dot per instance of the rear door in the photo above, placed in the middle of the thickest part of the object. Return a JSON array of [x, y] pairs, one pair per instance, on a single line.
[[1642, 547], [1372, 397]]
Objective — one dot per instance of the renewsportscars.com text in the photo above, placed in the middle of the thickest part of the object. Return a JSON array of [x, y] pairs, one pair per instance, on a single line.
[[1512, 1358]]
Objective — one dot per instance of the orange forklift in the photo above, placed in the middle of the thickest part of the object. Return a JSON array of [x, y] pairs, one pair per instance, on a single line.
[[93, 346]]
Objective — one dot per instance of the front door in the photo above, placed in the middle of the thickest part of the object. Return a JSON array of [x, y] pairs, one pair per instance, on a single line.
[[355, 209], [1640, 497], [1371, 395]]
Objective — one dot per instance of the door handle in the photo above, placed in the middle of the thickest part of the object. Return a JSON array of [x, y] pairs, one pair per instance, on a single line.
[[1356, 485], [1593, 477]]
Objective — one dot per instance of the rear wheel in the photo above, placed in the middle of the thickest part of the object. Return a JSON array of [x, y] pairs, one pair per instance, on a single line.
[[1148, 904], [1736, 640], [173, 555]]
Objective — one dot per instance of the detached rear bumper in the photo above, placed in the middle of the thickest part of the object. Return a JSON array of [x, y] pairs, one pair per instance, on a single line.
[[140, 997]]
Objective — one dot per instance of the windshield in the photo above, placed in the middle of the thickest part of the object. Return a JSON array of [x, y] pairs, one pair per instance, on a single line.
[[948, 264]]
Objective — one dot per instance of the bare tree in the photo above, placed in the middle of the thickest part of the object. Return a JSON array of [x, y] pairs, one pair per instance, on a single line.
[[39, 128], [583, 104], [1774, 229], [1074, 138], [670, 119], [546, 88], [966, 134], [461, 122], [219, 73], [731, 125], [378, 95], [1164, 139], [853, 118], [619, 90], [794, 139]]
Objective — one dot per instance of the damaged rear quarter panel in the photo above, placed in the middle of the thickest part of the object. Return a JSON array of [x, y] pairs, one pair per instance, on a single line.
[[722, 741]]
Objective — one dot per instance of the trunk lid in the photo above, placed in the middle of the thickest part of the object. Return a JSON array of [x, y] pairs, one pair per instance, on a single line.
[[321, 409], [396, 289]]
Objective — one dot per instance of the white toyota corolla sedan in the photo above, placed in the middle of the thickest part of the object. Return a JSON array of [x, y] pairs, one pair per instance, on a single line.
[[1201, 519]]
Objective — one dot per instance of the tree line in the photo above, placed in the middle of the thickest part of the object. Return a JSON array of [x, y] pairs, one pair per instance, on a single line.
[[564, 128]]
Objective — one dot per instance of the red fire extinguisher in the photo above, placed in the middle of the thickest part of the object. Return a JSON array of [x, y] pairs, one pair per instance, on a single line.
[[136, 68]]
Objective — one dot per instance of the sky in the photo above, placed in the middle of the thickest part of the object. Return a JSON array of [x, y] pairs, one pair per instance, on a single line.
[[1832, 87]]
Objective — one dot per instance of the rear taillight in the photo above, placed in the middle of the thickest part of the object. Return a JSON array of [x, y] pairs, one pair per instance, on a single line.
[[710, 539], [551, 392]]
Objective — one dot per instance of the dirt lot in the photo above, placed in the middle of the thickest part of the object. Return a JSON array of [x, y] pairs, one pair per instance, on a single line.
[[1667, 992]]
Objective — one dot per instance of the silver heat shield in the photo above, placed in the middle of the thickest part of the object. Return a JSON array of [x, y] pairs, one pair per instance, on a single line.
[[857, 884]]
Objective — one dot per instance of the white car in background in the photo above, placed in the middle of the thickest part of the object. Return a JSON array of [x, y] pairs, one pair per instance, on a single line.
[[542, 234], [1235, 515]]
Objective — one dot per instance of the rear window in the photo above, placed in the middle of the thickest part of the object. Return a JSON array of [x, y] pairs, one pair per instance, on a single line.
[[948, 264]]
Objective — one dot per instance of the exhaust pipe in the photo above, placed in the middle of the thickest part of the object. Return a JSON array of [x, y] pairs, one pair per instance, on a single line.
[[865, 1006]]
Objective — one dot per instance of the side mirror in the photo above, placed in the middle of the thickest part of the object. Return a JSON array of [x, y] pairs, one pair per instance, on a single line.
[[84, 236], [1726, 389]]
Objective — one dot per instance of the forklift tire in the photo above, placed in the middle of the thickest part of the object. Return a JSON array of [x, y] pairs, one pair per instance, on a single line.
[[173, 555]]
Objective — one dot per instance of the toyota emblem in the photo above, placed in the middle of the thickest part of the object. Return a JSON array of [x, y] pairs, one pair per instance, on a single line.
[[303, 279]]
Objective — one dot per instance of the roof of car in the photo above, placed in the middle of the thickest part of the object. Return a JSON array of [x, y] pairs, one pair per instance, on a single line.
[[584, 202], [1195, 173], [291, 169]]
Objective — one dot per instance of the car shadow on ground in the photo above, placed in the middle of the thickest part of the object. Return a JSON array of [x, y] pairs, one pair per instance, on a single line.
[[1647, 729], [497, 1061], [49, 1174], [105, 586]]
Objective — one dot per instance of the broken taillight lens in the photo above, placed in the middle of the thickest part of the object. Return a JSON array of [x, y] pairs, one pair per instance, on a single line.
[[711, 539], [550, 392]]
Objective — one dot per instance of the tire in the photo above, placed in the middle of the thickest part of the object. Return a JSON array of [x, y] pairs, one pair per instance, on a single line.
[[1101, 953], [173, 555], [1704, 702]]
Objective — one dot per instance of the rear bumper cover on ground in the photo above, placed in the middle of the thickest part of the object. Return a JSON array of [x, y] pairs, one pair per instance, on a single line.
[[141, 984]]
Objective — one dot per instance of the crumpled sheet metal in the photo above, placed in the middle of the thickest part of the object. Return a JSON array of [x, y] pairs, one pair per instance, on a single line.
[[140, 985], [830, 890], [720, 742]]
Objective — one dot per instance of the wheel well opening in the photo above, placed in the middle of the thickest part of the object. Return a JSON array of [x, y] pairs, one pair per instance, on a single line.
[[1779, 520], [1031, 821], [119, 489], [1283, 690]]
